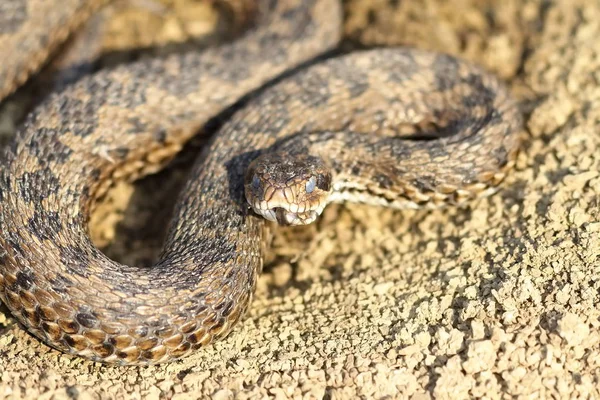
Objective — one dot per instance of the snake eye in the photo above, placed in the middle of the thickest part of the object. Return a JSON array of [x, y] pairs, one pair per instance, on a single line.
[[256, 184], [311, 184]]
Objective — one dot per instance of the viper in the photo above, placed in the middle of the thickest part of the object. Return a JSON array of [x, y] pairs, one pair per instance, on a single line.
[[393, 127]]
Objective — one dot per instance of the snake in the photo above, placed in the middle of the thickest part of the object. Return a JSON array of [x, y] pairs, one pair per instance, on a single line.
[[395, 127]]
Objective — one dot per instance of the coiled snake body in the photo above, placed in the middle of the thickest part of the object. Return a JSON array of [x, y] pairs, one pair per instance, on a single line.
[[335, 128]]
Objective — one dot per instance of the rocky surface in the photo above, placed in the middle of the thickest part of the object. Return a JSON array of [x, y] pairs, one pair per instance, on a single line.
[[496, 300]]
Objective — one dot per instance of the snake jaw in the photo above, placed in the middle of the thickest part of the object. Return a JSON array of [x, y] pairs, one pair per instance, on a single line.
[[286, 206], [284, 216]]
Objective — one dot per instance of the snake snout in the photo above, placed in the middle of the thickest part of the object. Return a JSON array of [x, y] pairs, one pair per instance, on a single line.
[[278, 208], [290, 190]]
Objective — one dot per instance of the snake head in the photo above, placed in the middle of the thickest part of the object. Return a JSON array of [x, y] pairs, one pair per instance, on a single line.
[[289, 189]]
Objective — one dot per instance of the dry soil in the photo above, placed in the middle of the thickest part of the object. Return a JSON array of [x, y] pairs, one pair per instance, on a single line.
[[497, 300]]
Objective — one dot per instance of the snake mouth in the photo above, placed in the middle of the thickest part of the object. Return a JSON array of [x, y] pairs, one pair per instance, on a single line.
[[284, 216]]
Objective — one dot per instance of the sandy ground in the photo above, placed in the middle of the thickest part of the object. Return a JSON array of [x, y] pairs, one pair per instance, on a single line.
[[497, 300]]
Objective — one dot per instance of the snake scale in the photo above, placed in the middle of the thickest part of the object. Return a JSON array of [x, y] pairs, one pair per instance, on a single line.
[[396, 127]]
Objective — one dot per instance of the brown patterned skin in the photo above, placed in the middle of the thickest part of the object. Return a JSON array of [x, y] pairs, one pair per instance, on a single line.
[[350, 111], [30, 30]]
